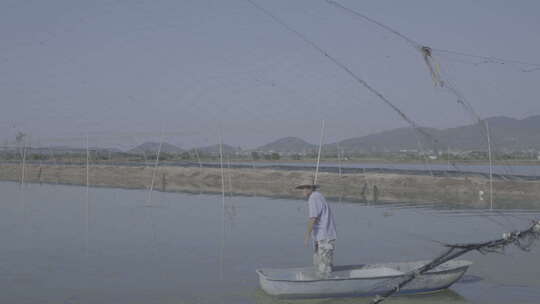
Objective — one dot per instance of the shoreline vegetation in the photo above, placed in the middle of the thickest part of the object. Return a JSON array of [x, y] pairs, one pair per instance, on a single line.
[[367, 187], [149, 157]]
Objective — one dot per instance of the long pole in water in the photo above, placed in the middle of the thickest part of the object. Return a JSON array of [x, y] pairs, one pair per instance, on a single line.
[[319, 154], [87, 203], [448, 158], [54, 161], [23, 163], [155, 167], [490, 165], [339, 158], [87, 165], [222, 249], [198, 158], [252, 160], [229, 174]]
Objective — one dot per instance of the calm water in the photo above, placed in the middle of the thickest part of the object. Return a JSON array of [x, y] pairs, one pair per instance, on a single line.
[[532, 169], [175, 249]]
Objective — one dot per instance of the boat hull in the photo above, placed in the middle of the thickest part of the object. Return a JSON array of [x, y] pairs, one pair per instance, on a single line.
[[358, 280]]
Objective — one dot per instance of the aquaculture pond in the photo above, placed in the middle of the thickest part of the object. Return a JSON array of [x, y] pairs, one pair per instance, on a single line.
[[71, 244]]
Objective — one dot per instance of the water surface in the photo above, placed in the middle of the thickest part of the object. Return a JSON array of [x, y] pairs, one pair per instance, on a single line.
[[190, 248]]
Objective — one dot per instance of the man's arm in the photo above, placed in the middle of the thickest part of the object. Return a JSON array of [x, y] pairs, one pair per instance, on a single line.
[[311, 222]]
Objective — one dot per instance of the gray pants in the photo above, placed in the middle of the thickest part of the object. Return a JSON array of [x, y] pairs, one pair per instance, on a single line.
[[323, 258]]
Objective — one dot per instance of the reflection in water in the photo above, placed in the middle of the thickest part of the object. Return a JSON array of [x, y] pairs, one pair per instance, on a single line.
[[470, 279], [443, 297], [231, 213]]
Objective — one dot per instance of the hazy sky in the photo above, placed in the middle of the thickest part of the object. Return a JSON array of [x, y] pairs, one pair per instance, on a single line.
[[121, 71]]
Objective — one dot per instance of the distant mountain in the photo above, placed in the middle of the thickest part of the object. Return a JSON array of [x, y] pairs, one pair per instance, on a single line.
[[531, 121], [153, 147], [214, 149], [57, 150], [386, 141], [506, 134], [288, 145]]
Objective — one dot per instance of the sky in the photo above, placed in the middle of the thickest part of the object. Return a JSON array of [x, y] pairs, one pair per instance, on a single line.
[[191, 72]]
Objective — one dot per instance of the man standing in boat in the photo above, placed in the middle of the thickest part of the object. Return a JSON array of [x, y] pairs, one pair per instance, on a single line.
[[321, 228]]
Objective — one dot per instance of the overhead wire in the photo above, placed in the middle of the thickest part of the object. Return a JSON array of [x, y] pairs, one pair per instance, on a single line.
[[491, 59], [419, 46], [407, 39], [347, 70], [426, 51], [435, 72]]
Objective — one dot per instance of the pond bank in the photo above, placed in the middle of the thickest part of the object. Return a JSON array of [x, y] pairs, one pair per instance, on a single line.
[[280, 183]]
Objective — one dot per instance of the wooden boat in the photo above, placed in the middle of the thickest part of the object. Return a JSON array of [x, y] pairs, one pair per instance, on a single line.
[[358, 280]]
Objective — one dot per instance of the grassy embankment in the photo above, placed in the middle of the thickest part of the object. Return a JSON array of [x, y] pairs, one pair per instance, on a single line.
[[280, 183]]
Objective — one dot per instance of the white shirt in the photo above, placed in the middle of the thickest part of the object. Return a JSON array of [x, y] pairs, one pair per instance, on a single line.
[[324, 227]]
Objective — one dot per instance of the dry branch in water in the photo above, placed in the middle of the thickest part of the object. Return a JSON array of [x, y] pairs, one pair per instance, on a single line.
[[523, 239]]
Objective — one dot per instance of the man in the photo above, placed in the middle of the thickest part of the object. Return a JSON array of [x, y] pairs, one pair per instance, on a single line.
[[321, 228]]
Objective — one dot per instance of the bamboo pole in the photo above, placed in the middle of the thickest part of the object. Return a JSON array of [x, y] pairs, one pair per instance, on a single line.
[[155, 168], [319, 154]]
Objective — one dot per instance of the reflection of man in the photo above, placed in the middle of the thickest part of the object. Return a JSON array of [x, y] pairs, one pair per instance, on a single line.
[[321, 228]]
